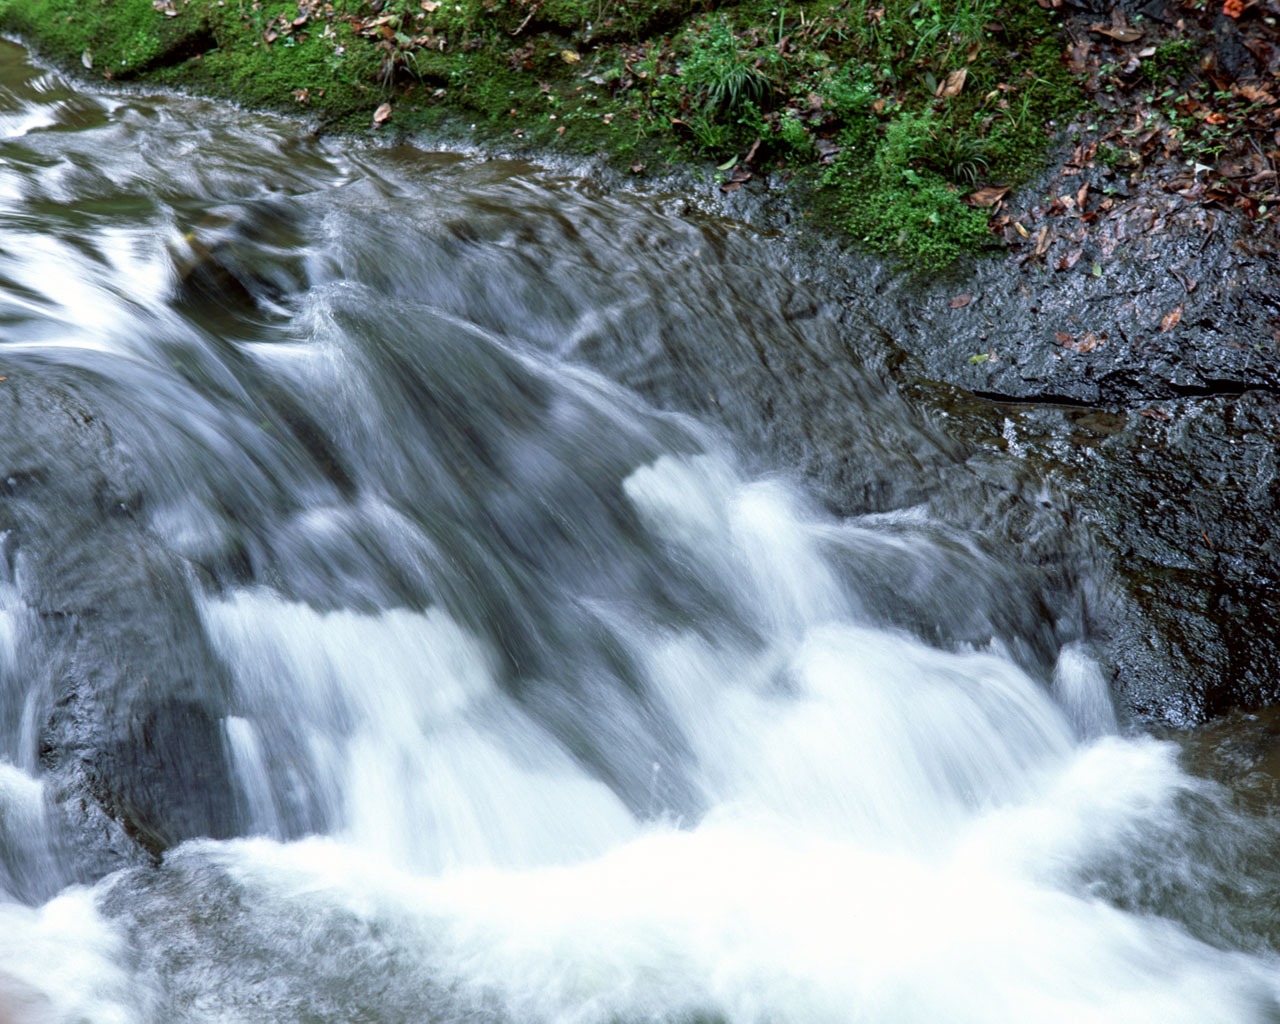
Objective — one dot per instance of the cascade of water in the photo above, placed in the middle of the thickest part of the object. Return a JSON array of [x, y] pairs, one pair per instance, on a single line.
[[480, 688]]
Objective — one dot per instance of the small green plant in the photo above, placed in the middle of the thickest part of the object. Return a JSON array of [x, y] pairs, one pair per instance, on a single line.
[[719, 78], [961, 158], [794, 135]]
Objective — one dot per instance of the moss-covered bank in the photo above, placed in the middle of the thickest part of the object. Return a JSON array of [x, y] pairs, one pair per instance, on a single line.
[[900, 111]]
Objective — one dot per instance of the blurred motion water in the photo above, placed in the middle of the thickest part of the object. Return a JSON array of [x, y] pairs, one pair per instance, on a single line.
[[377, 643]]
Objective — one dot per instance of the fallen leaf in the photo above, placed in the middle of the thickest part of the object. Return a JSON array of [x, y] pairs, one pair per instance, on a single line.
[[430, 6], [988, 196], [980, 357], [1170, 320], [1070, 259], [1087, 342], [570, 56], [1043, 241], [953, 84], [961, 300], [86, 59], [1233, 8], [1155, 414], [1017, 226], [382, 114], [1120, 33]]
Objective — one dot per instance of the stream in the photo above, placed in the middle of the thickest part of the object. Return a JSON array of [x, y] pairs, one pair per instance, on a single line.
[[418, 604]]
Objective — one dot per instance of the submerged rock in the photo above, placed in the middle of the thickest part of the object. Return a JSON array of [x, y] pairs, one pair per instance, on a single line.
[[123, 691]]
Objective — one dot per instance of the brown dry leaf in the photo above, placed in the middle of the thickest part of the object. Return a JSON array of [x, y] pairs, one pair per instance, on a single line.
[[430, 6], [1155, 414], [1017, 226], [1255, 95], [1070, 259], [953, 84], [1120, 33], [989, 195], [382, 114], [1170, 320], [1043, 241], [961, 300], [1087, 342], [1082, 195]]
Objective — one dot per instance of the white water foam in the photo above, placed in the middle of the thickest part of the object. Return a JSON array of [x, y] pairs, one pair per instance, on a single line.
[[422, 758], [893, 833]]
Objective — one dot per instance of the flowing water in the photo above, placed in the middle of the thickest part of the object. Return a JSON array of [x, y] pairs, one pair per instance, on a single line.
[[345, 539]]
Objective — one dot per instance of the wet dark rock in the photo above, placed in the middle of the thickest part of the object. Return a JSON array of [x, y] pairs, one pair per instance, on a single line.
[[129, 695], [1139, 389]]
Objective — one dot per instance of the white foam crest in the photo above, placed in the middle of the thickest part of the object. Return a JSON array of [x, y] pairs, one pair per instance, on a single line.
[[752, 535], [1111, 791], [428, 764], [10, 609], [750, 925], [83, 296], [62, 964], [1082, 690], [860, 733], [850, 730]]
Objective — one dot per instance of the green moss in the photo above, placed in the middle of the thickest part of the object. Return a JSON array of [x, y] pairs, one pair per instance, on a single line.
[[118, 38], [863, 95]]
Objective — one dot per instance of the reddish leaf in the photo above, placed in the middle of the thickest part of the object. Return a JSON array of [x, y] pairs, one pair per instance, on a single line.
[[961, 300], [988, 196], [1087, 342], [1170, 320], [1070, 259]]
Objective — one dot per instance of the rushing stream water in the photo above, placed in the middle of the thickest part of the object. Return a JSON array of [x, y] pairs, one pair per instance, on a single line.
[[339, 542]]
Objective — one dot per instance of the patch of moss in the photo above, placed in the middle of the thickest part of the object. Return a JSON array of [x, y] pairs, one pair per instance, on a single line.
[[898, 108], [116, 38]]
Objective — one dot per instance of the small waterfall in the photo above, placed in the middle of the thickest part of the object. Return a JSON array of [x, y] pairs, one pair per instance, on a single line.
[[377, 642]]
